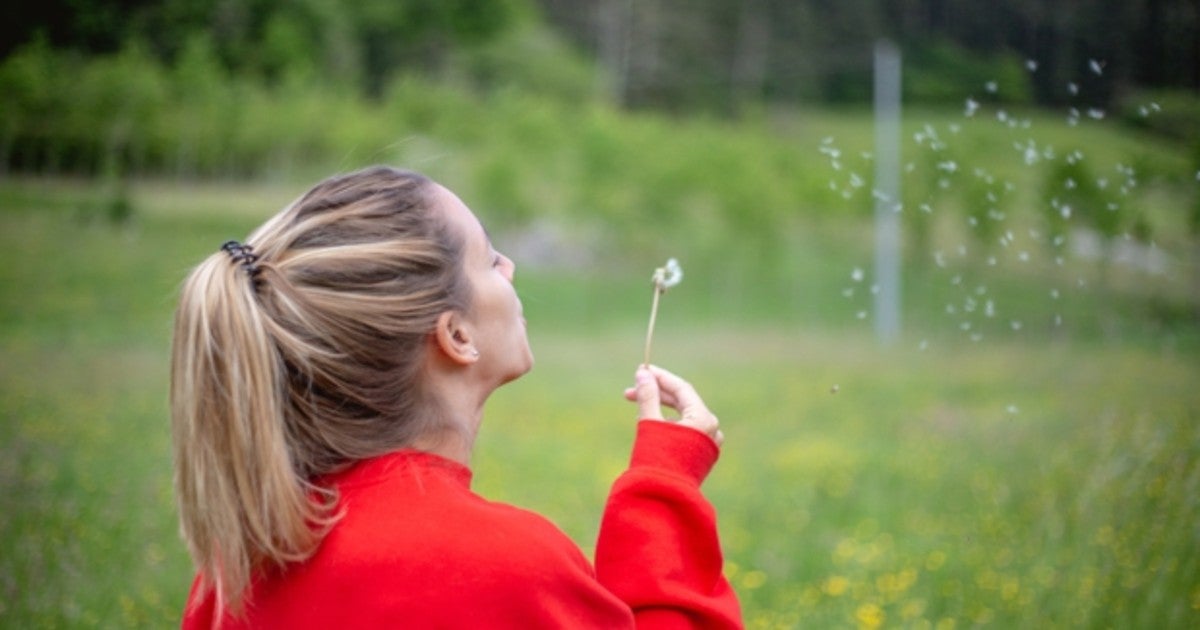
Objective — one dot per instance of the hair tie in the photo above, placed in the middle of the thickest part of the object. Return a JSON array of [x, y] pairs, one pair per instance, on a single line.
[[243, 255]]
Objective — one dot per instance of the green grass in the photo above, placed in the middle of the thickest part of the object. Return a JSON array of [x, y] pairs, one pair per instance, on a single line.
[[1046, 477]]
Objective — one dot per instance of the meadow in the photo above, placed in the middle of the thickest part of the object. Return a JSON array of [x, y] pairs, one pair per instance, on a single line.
[[1039, 468]]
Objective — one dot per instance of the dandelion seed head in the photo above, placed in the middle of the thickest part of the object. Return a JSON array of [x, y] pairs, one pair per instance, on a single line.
[[667, 276]]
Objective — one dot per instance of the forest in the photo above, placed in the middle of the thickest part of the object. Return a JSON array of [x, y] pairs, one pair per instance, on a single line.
[[135, 61]]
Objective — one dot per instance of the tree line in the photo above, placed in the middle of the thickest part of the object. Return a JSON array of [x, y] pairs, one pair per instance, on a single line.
[[680, 52], [715, 55]]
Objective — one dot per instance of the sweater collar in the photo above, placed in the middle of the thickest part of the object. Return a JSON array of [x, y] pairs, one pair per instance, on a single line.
[[410, 461]]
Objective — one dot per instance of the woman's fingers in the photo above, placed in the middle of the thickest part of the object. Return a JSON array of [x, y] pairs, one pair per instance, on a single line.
[[656, 387], [646, 395]]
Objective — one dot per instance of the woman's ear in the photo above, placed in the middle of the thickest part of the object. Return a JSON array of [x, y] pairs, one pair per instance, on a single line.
[[454, 339]]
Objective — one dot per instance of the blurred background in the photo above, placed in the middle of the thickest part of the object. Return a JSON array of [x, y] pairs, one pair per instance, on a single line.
[[1022, 452]]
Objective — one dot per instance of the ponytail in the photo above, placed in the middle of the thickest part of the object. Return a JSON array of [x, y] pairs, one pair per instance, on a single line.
[[233, 469]]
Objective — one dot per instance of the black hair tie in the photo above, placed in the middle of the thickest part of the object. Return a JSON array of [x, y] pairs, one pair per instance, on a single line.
[[243, 255]]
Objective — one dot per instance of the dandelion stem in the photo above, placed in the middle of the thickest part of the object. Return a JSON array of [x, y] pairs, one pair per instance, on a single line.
[[650, 329]]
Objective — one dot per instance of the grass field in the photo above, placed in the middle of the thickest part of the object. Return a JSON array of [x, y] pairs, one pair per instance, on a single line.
[[1049, 478]]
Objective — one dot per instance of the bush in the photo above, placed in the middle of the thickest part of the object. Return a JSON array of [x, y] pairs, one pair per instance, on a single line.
[[943, 73]]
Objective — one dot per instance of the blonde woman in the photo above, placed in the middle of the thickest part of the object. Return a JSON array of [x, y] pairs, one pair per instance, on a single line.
[[328, 380]]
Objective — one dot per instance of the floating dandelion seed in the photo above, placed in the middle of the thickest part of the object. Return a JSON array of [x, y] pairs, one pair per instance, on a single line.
[[857, 275], [1031, 65], [664, 278], [1073, 88], [991, 87], [971, 108], [1097, 67], [1031, 154]]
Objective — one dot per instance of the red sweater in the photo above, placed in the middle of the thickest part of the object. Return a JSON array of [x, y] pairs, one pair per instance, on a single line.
[[417, 549]]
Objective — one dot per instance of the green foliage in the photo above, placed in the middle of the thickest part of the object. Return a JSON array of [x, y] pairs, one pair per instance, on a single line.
[[1173, 114], [530, 59], [941, 72], [1071, 191]]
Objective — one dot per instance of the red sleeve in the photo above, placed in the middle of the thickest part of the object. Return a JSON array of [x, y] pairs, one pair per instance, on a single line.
[[658, 549]]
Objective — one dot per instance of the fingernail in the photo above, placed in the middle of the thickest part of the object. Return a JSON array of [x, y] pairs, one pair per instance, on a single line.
[[643, 376]]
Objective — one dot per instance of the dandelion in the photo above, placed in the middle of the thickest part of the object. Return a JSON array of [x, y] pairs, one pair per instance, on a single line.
[[870, 615], [835, 585], [664, 278]]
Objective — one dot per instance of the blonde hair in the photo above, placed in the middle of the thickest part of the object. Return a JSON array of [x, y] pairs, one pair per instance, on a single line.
[[293, 365]]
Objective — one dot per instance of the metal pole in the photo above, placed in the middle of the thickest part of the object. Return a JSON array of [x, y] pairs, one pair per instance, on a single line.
[[887, 191]]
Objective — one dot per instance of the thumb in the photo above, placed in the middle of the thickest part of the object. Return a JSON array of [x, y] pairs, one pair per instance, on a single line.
[[649, 405]]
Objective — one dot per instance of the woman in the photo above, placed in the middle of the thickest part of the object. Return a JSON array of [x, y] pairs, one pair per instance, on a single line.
[[328, 380]]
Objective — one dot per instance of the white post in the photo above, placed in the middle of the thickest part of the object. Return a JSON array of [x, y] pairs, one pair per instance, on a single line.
[[887, 191]]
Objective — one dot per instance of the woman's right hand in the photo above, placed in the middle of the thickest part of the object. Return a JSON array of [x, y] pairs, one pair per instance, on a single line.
[[656, 387]]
